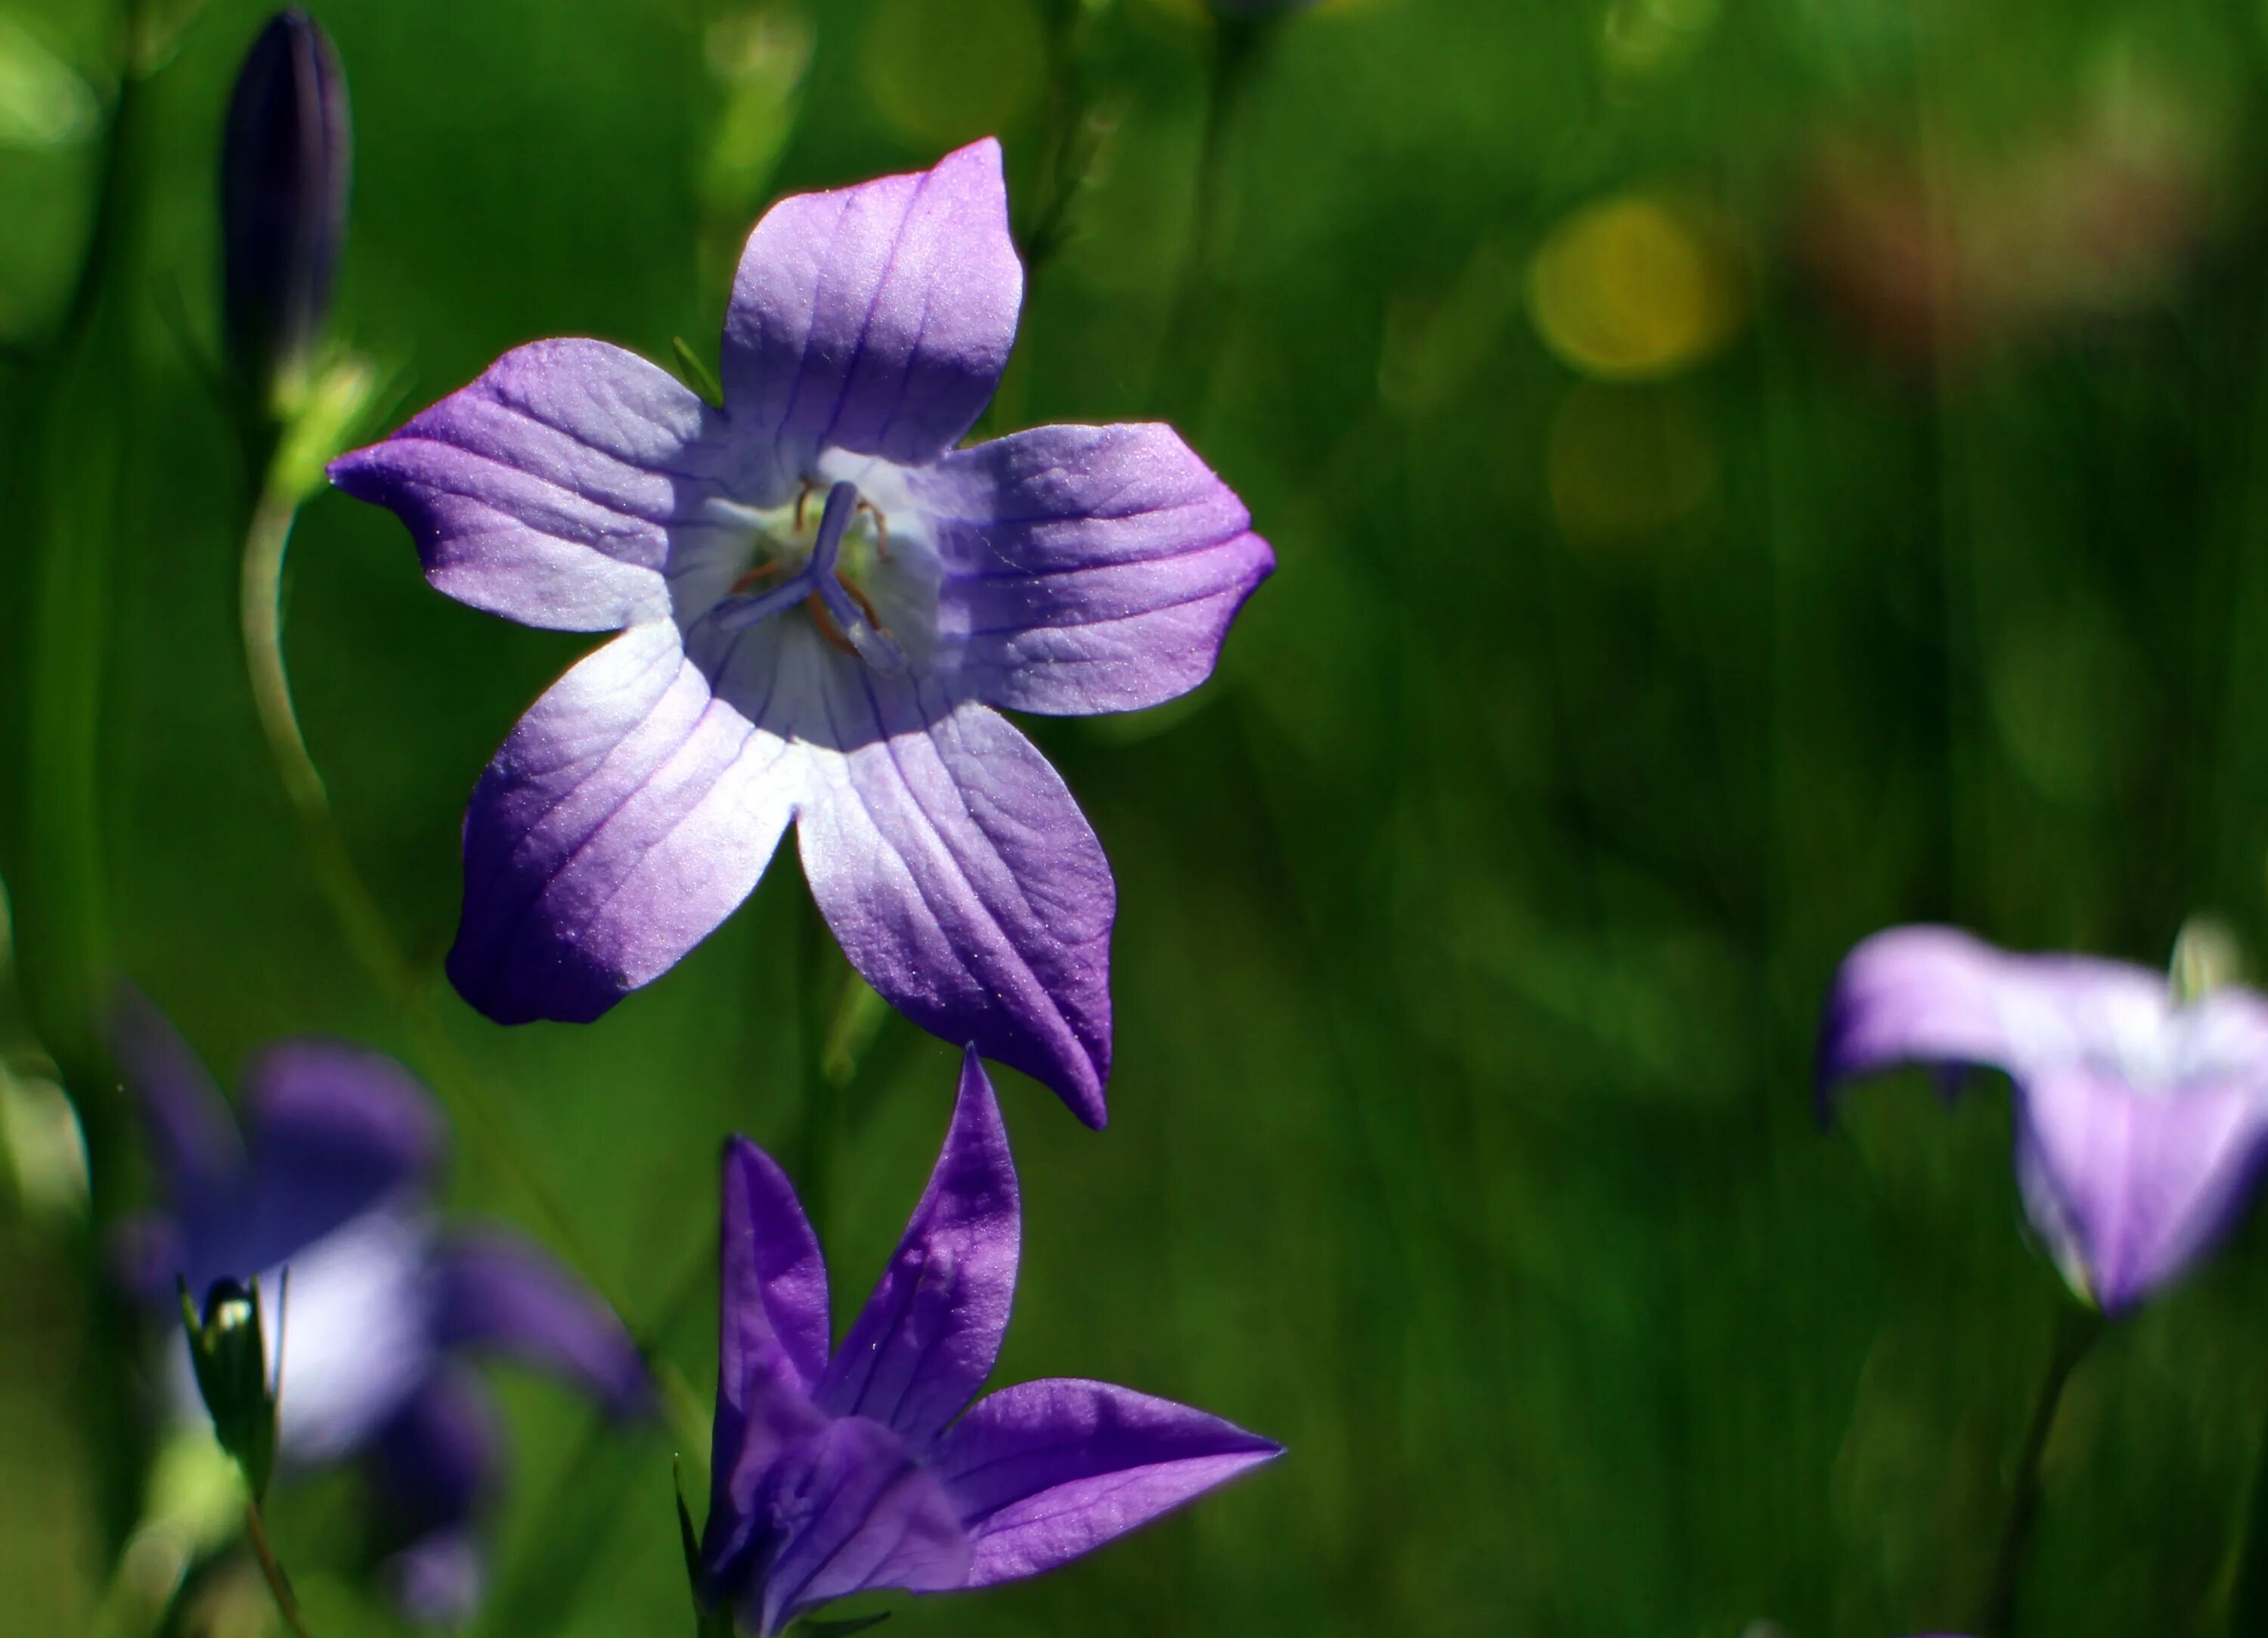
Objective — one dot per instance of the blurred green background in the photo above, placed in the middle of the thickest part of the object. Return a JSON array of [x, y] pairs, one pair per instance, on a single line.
[[1744, 472]]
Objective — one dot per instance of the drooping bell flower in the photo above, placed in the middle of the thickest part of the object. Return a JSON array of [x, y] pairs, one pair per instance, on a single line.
[[865, 1466], [823, 604], [2141, 1112], [330, 1178], [285, 160]]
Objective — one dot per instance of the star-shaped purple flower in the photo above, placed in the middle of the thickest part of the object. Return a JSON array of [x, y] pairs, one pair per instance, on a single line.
[[2141, 1118], [821, 602], [330, 1178], [835, 1473]]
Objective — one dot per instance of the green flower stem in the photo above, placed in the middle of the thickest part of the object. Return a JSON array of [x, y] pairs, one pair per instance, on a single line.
[[1066, 152], [77, 478], [1188, 345], [266, 544], [2248, 1590], [2076, 1329], [278, 1583], [816, 1133]]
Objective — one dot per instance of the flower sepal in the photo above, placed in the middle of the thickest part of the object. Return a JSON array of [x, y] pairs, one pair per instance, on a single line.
[[711, 1620], [228, 1350]]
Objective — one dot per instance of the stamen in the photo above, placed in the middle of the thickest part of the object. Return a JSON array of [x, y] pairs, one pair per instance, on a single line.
[[881, 529], [826, 627]]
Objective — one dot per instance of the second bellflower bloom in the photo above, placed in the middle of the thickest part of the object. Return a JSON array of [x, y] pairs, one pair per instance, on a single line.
[[330, 1178], [2142, 1117], [866, 1466], [822, 602]]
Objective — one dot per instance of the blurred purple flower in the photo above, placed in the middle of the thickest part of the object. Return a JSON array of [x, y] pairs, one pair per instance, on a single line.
[[867, 1468], [329, 1178], [821, 600], [2141, 1119], [284, 164]]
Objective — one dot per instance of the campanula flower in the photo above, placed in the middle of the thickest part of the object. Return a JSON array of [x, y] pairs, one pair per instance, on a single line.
[[284, 175], [329, 1177], [821, 603], [2141, 1113], [868, 1467]]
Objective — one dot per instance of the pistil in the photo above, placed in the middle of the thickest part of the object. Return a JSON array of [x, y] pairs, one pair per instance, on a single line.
[[842, 613]]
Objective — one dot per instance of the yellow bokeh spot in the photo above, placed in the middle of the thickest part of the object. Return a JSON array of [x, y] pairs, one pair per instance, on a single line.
[[944, 72], [1635, 287]]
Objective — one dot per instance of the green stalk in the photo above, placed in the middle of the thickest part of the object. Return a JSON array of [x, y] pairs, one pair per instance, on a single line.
[[78, 479], [278, 1584], [2076, 1331], [368, 934]]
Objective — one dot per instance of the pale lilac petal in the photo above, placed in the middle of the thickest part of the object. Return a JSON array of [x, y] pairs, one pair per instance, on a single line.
[[434, 1465], [2128, 1188], [771, 1345], [928, 1337], [874, 318], [498, 1293], [1045, 1471], [336, 1131], [962, 881], [351, 1330], [849, 1510], [1936, 996], [627, 815], [193, 1135], [1086, 569], [548, 490]]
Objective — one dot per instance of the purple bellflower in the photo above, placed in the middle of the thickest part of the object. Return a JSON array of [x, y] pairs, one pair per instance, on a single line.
[[867, 1467], [329, 1178], [821, 602], [2141, 1116]]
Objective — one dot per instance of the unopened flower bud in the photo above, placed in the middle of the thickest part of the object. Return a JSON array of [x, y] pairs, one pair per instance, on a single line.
[[284, 166], [228, 1350]]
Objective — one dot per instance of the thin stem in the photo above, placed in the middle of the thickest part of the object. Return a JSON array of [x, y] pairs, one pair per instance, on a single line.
[[2076, 1329], [1063, 167], [2248, 1602], [62, 915], [1186, 347], [820, 976], [266, 545], [278, 1583]]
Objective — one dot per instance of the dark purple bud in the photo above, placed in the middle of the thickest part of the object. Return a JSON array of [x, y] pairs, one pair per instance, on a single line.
[[284, 165]]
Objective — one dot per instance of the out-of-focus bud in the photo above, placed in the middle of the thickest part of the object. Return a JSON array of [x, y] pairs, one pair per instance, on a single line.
[[228, 1349], [284, 168], [2206, 956]]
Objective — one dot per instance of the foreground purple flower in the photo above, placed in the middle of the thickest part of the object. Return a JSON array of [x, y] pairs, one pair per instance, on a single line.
[[868, 1467], [2141, 1119], [329, 1178], [821, 601]]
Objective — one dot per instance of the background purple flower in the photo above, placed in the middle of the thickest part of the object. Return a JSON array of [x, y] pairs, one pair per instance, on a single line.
[[2141, 1119], [822, 602], [329, 1178], [868, 1467]]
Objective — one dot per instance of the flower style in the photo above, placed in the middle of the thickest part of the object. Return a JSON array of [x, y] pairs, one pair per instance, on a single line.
[[837, 1473], [329, 1180], [821, 601], [2141, 1118]]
